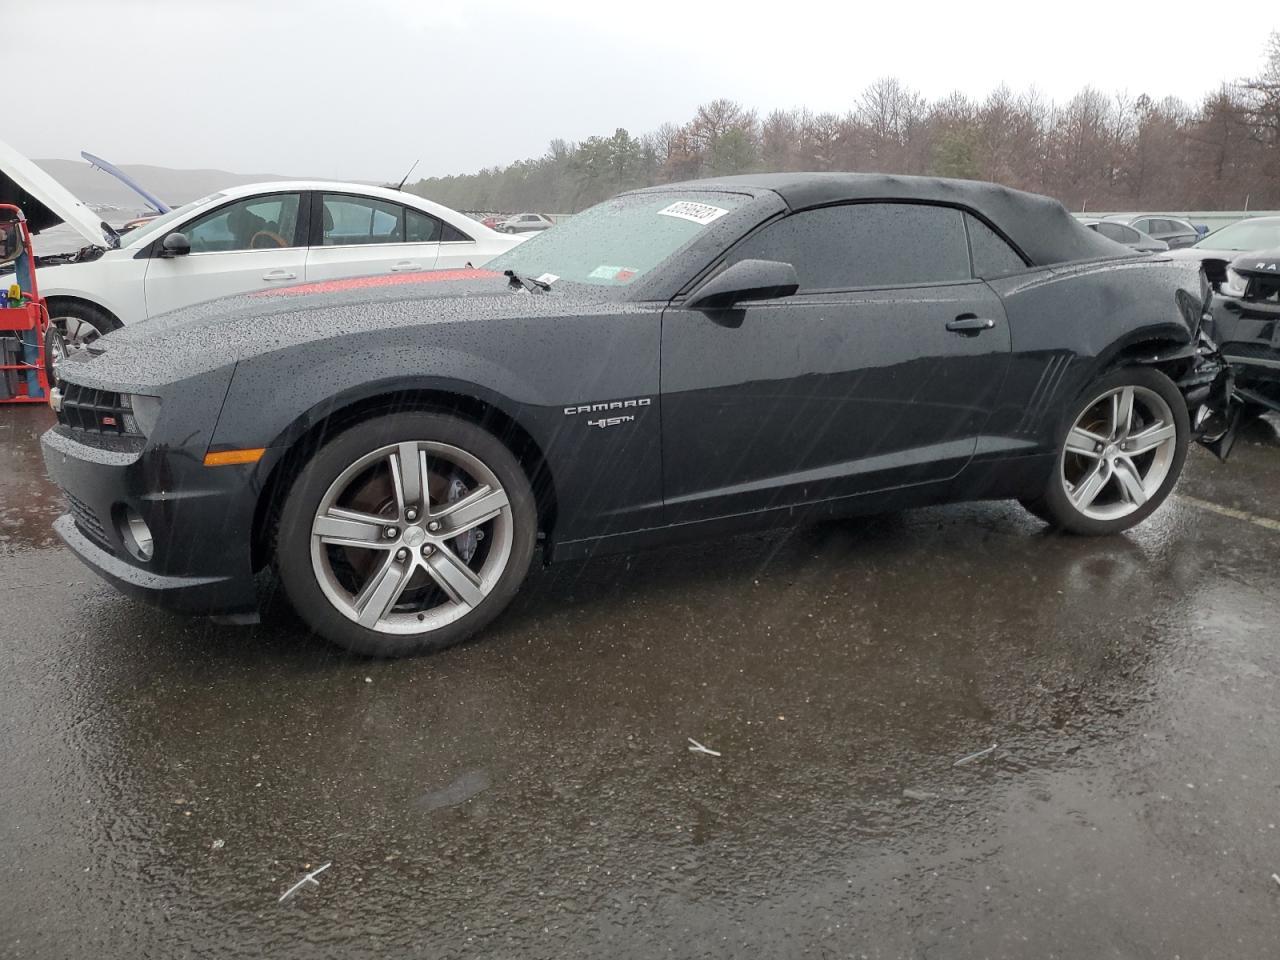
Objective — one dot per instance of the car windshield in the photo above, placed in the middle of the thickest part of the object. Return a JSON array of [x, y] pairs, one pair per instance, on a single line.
[[617, 242], [153, 228], [1245, 235]]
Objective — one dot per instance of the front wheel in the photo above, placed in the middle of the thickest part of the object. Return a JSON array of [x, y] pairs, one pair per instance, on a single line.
[[1120, 451], [80, 323], [406, 534], [55, 351]]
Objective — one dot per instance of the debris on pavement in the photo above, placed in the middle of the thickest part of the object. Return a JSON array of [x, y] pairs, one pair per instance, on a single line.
[[919, 794], [699, 748], [309, 878], [976, 756], [219, 844], [1276, 878]]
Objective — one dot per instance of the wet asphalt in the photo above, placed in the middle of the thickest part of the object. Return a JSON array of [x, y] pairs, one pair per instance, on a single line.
[[164, 781]]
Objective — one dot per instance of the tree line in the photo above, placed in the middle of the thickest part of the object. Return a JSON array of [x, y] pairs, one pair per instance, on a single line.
[[1094, 152]]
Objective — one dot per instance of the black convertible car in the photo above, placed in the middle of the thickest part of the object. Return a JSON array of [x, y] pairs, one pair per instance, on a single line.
[[678, 361]]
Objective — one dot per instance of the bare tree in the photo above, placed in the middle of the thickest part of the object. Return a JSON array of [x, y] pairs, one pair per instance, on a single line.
[[1094, 150]]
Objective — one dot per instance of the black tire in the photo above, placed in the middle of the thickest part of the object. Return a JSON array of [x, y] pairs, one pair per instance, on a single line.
[[55, 348], [293, 535], [81, 323], [1054, 505]]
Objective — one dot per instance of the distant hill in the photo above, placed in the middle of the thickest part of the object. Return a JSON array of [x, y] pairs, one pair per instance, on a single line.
[[174, 187]]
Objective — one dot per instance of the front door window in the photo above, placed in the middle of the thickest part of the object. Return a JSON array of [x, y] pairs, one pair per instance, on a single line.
[[255, 223]]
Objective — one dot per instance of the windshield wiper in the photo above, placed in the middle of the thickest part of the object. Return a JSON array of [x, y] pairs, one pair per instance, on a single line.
[[529, 283]]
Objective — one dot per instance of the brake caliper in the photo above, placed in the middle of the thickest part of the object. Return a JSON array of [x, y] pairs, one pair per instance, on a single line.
[[464, 546]]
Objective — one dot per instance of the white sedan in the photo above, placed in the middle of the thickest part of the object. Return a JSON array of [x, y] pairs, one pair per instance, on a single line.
[[240, 239]]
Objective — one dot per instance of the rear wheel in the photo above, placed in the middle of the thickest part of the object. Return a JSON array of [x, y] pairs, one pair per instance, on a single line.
[[406, 534], [1120, 452]]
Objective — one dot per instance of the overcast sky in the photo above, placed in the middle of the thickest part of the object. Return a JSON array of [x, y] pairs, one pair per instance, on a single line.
[[360, 88]]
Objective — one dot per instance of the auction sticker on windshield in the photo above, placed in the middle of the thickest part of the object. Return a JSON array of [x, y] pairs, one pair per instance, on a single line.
[[605, 272], [702, 213]]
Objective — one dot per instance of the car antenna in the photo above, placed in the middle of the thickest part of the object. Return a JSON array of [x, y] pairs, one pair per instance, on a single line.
[[400, 186]]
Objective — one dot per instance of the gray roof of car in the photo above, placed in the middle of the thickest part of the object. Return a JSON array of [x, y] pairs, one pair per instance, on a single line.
[[1039, 226], [1129, 218]]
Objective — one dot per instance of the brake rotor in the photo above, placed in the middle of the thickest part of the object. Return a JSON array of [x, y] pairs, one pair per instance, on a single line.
[[375, 495]]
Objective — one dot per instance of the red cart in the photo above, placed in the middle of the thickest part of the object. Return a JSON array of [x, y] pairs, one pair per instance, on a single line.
[[24, 321]]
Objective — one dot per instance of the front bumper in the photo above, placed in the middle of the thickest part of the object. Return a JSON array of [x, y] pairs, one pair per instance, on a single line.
[[184, 594], [1253, 361], [201, 519], [1248, 331]]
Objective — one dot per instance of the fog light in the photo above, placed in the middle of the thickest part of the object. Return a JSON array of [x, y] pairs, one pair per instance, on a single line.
[[135, 533]]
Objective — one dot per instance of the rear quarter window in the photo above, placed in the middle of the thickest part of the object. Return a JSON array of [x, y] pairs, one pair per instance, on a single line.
[[992, 255]]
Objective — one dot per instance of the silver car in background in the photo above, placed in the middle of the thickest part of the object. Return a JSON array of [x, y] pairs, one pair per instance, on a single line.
[[1174, 231], [1131, 237], [524, 223]]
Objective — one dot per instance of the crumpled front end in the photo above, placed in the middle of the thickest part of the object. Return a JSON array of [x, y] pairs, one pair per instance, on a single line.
[[1242, 323]]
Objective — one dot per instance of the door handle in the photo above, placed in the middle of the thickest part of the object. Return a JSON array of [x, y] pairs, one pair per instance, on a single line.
[[969, 324], [405, 265], [279, 275]]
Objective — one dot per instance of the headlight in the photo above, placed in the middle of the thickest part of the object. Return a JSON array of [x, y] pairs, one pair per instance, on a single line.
[[141, 414], [1234, 285]]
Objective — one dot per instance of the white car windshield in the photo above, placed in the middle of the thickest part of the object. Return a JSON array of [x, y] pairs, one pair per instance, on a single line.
[[150, 230], [1245, 235]]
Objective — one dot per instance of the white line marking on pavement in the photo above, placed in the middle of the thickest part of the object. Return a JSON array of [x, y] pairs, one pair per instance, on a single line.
[[699, 748], [309, 878], [1265, 522]]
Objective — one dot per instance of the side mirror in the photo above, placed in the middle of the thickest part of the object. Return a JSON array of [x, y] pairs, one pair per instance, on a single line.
[[175, 245], [745, 280]]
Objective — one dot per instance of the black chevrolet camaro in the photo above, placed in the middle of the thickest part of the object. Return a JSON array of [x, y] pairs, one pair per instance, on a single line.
[[677, 362]]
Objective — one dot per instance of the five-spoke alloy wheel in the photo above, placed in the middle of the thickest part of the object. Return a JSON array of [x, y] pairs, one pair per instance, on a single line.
[[1120, 454], [406, 534]]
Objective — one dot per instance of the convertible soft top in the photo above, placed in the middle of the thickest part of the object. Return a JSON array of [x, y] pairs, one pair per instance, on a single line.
[[1039, 226]]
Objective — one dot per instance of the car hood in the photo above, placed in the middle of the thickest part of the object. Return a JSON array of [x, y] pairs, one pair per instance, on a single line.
[[187, 342], [47, 203], [1200, 254], [150, 199]]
